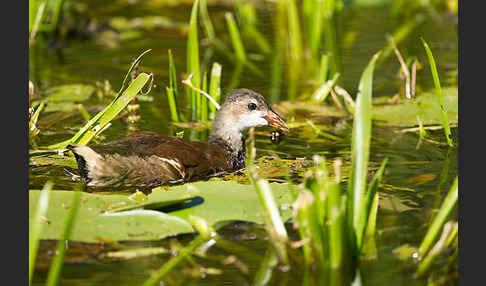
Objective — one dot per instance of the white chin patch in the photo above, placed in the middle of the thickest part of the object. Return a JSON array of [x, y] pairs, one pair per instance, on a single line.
[[252, 120]]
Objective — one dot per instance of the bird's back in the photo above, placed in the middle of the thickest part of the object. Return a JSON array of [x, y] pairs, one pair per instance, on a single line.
[[149, 159]]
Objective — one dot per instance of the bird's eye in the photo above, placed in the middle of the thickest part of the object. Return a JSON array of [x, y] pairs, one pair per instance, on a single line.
[[252, 106]]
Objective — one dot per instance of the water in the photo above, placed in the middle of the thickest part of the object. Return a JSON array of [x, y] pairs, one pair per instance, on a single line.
[[406, 204]]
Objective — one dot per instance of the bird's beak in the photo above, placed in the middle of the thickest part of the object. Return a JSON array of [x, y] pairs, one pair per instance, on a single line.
[[276, 121]]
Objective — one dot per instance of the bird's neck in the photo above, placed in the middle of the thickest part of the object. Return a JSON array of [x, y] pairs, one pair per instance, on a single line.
[[232, 141]]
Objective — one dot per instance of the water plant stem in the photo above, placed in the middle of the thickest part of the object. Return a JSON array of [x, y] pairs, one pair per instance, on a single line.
[[360, 147], [174, 261], [37, 225], [445, 210], [435, 75], [235, 37], [56, 266]]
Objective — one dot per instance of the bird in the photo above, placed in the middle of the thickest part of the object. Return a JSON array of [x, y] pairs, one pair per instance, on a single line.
[[149, 159]]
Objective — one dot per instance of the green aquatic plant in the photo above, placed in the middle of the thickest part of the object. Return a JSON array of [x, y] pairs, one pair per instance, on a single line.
[[56, 265], [443, 110], [333, 223], [428, 251], [192, 64], [36, 226], [101, 121], [235, 37]]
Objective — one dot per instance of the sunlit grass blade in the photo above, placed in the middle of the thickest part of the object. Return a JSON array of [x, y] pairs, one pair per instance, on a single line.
[[100, 121], [449, 234], [127, 78], [173, 76], [443, 111], [112, 110], [192, 64], [295, 36], [215, 88], [56, 266], [323, 91], [368, 248], [367, 204], [399, 35], [39, 13], [37, 225], [204, 101], [274, 223], [173, 262], [264, 272], [235, 37], [84, 112], [56, 11], [279, 46], [246, 16], [206, 20], [440, 218], [310, 228], [323, 68], [33, 130], [174, 114], [336, 214], [317, 14], [360, 146]]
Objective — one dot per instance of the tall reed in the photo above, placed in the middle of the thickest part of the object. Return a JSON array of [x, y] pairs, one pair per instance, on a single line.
[[37, 223], [192, 64], [57, 263], [443, 110]]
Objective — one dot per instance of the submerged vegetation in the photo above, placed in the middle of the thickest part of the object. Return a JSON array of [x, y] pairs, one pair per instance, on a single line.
[[325, 206]]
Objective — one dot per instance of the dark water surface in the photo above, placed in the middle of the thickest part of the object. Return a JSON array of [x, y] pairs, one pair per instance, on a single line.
[[405, 206]]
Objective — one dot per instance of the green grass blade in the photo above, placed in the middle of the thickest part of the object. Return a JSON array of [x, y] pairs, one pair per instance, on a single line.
[[173, 76], [295, 36], [435, 75], [113, 109], [33, 121], [56, 12], [449, 234], [316, 26], [445, 210], [360, 146], [324, 90], [310, 227], [324, 68], [215, 88], [336, 214], [192, 64], [173, 262], [128, 75], [56, 266], [88, 131], [274, 223], [204, 100], [174, 114], [206, 20], [264, 273], [235, 37], [368, 249], [367, 204], [37, 225]]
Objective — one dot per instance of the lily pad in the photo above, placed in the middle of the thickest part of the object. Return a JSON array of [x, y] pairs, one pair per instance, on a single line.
[[69, 92], [424, 105], [108, 217]]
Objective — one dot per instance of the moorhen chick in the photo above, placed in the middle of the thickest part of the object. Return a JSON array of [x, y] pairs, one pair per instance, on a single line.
[[148, 159]]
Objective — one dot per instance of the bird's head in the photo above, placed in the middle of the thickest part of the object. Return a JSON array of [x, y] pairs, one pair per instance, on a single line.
[[243, 109]]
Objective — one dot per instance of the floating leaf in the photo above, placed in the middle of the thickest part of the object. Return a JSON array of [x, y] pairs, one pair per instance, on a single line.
[[69, 92], [103, 217], [425, 105]]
